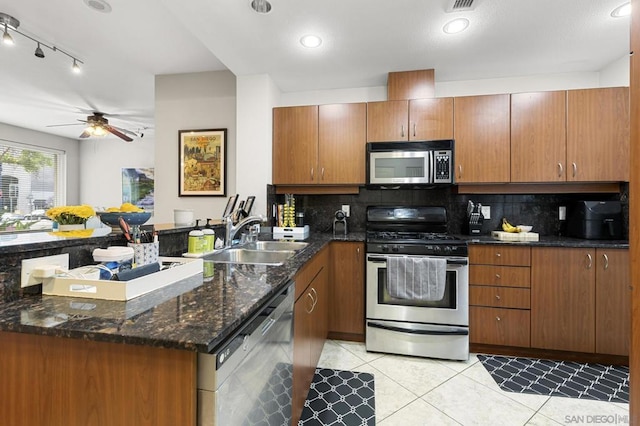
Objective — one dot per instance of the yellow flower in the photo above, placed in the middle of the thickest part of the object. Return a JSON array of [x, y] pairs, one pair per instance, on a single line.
[[70, 215]]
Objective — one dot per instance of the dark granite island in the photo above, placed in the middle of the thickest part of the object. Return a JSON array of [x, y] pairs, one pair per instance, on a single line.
[[69, 361]]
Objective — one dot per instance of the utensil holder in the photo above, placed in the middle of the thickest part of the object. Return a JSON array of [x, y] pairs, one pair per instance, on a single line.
[[145, 253]]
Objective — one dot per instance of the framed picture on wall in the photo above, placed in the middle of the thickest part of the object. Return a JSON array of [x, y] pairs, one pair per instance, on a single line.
[[203, 162]]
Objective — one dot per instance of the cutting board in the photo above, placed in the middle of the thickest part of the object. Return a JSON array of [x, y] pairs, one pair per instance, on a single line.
[[515, 236]]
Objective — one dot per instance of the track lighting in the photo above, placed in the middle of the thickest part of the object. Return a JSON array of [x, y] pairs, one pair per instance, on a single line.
[[11, 23]]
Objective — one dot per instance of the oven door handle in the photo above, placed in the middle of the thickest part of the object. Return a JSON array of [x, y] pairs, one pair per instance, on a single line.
[[423, 332], [382, 259]]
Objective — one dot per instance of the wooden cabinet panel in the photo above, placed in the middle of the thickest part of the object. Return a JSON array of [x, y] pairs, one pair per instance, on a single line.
[[563, 299], [496, 326], [295, 144], [50, 380], [501, 297], [613, 301], [482, 134], [347, 290], [406, 85], [387, 121], [598, 135], [508, 276], [538, 137], [303, 370], [499, 255], [431, 119], [342, 141]]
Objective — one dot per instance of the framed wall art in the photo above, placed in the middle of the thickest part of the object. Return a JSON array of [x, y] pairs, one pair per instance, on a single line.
[[203, 158]]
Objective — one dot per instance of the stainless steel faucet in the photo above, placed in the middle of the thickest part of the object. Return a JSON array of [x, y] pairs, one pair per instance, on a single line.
[[231, 230]]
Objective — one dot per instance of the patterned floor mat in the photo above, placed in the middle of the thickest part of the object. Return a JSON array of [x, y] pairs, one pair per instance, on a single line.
[[559, 378], [339, 397]]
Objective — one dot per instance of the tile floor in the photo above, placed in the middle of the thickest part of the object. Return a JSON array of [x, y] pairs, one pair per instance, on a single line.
[[416, 391]]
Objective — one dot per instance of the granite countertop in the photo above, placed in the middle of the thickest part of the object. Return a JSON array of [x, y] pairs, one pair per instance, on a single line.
[[549, 241], [195, 314]]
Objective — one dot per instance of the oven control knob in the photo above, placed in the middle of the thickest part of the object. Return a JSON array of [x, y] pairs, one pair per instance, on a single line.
[[385, 248], [394, 248], [447, 249]]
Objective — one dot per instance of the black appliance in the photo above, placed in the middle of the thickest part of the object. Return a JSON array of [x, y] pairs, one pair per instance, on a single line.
[[418, 163], [595, 220]]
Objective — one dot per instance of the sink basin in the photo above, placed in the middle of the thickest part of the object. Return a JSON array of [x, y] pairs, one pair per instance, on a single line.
[[254, 257], [275, 245]]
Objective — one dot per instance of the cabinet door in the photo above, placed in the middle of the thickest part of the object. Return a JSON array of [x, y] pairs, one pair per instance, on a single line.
[[482, 133], [431, 119], [598, 134], [303, 369], [342, 142], [411, 85], [538, 137], [496, 326], [346, 290], [387, 121], [563, 299], [613, 300], [319, 314], [295, 145]]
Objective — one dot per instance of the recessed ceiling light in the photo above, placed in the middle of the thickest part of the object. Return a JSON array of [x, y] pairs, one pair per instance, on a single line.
[[99, 5], [622, 10], [311, 41], [456, 26]]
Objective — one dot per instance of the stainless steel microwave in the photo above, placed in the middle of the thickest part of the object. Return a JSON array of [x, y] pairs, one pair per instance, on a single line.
[[410, 163]]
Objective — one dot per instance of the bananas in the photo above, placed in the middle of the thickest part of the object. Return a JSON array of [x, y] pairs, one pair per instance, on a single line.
[[507, 227]]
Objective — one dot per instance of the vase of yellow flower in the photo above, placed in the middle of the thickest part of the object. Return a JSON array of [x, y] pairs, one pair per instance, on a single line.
[[71, 218]]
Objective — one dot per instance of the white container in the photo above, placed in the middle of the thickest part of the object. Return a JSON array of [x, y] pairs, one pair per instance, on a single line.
[[183, 217], [291, 233]]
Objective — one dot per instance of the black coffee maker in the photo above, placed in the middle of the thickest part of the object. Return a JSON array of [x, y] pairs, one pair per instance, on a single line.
[[595, 220]]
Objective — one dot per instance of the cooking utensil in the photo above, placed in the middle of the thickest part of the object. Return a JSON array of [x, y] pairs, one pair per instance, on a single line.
[[124, 226]]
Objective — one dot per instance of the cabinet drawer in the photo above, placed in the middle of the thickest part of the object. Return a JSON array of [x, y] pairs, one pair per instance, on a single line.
[[500, 297], [509, 276], [309, 271], [497, 326], [499, 255]]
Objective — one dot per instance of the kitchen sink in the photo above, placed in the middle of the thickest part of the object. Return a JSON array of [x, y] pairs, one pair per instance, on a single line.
[[275, 245], [254, 257]]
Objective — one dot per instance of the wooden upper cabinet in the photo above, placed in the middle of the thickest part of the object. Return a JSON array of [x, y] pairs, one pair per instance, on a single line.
[[598, 135], [538, 137], [295, 144], [387, 121], [342, 143], [407, 85], [431, 119], [482, 135]]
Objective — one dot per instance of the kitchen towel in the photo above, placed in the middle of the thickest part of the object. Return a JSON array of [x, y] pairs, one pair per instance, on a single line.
[[416, 278]]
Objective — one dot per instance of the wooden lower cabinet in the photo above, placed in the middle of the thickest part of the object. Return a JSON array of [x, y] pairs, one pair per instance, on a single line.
[[57, 381], [310, 326], [347, 291], [497, 326]]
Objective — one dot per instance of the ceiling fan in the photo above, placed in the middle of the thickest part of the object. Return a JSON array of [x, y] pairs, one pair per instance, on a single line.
[[98, 125]]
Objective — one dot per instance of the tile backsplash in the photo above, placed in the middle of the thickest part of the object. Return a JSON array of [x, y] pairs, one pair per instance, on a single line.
[[538, 210]]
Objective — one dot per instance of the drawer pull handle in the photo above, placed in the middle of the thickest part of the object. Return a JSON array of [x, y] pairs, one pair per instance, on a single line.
[[606, 261], [497, 297], [590, 261], [497, 318], [498, 255], [498, 276]]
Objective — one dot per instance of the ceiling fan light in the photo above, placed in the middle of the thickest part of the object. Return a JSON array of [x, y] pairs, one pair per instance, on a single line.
[[622, 10], [99, 131], [456, 26], [75, 67], [6, 37], [39, 53]]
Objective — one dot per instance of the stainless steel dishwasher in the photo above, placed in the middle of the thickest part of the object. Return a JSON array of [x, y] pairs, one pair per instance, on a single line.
[[248, 381]]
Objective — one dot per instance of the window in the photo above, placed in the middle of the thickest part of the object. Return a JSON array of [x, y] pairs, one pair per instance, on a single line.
[[30, 183]]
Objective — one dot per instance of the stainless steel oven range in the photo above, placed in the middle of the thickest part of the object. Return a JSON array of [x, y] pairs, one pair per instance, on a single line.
[[417, 284]]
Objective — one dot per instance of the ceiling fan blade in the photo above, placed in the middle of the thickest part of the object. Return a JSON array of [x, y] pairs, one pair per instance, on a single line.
[[118, 133], [125, 131], [85, 134], [70, 124]]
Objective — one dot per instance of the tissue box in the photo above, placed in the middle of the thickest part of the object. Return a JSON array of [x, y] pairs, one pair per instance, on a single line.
[[292, 233]]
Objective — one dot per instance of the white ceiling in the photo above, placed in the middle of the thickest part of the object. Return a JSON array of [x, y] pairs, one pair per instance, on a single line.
[[363, 40]]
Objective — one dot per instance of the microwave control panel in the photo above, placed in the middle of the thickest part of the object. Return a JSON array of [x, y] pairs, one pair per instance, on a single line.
[[442, 161]]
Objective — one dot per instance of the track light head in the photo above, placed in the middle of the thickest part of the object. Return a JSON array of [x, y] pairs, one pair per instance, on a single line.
[[6, 37], [39, 53], [75, 67]]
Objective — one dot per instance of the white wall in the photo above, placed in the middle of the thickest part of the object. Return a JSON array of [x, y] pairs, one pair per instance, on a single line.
[[204, 100], [616, 73], [69, 146], [101, 167]]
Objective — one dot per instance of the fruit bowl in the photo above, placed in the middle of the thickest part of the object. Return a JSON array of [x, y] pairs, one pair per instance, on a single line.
[[112, 218], [525, 228]]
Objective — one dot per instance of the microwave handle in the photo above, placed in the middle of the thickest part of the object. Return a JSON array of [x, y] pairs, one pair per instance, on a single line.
[[432, 167]]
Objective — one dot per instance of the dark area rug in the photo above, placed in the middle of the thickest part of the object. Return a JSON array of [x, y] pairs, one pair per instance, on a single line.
[[559, 378], [338, 397]]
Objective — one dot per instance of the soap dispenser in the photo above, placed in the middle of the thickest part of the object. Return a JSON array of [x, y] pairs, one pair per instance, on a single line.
[[196, 240], [209, 237]]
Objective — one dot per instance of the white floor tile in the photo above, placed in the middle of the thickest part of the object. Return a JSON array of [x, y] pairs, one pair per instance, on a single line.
[[480, 374], [583, 411], [417, 413], [460, 365], [336, 357], [359, 350], [419, 375], [540, 420], [471, 403]]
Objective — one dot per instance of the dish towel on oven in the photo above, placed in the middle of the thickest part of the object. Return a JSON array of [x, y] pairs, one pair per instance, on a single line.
[[416, 278]]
